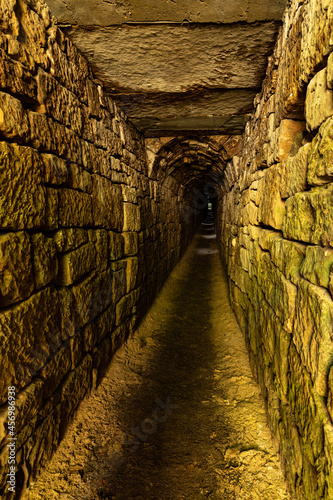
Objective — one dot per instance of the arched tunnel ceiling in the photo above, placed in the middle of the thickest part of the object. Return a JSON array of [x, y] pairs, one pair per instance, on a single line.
[[190, 162], [176, 67]]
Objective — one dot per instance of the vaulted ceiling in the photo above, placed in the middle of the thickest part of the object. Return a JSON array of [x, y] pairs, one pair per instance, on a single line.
[[176, 67]]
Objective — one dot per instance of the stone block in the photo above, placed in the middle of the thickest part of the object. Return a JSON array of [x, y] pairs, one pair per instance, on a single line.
[[16, 79], [309, 217], [131, 243], [330, 393], [40, 447], [279, 292], [55, 170], [28, 402], [14, 123], [99, 328], [102, 249], [119, 280], [70, 319], [78, 178], [286, 255], [93, 295], [93, 99], [312, 334], [116, 245], [132, 218], [9, 20], [284, 138], [132, 269], [271, 206], [69, 239], [319, 101], [107, 204], [56, 370], [77, 351], [29, 334], [129, 194], [16, 271], [41, 132], [22, 195], [32, 45], [320, 164], [330, 72], [59, 103], [75, 387], [294, 173], [126, 307], [44, 259], [270, 328], [102, 355], [250, 214], [51, 209], [75, 208], [316, 266], [281, 361], [75, 264]]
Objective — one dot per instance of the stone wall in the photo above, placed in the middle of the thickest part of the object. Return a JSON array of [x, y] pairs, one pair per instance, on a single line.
[[276, 236], [87, 238]]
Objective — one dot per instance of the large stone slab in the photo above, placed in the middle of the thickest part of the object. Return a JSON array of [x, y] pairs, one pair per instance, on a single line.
[[105, 13], [130, 58], [206, 83], [44, 259], [22, 195], [29, 334], [309, 216], [320, 158], [75, 208], [317, 265], [107, 204], [271, 206], [294, 173], [319, 101], [16, 270], [313, 332], [74, 265]]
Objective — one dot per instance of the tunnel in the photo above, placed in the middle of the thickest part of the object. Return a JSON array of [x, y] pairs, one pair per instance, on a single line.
[[166, 250]]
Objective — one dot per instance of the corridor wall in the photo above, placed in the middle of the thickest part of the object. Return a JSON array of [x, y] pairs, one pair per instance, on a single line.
[[87, 238], [276, 237]]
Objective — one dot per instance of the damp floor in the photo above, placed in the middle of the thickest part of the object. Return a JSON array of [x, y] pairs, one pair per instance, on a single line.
[[178, 415]]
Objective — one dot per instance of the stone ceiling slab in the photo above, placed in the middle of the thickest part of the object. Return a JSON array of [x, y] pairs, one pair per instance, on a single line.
[[113, 12], [176, 66], [193, 103], [164, 58], [219, 125]]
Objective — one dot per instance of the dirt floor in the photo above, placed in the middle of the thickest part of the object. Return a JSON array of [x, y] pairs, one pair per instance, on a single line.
[[179, 415]]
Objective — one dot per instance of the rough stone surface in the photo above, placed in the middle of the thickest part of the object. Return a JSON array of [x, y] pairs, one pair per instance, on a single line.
[[22, 196], [317, 265], [295, 171], [78, 218], [45, 260], [32, 330], [321, 156], [75, 264], [16, 271], [106, 13], [308, 216], [271, 207], [189, 88], [319, 101], [206, 355], [280, 278]]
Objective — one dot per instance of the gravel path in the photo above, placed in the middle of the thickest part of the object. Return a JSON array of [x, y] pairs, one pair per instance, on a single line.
[[179, 415]]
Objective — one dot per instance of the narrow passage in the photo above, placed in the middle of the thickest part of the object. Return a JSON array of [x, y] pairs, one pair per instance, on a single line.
[[179, 415]]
